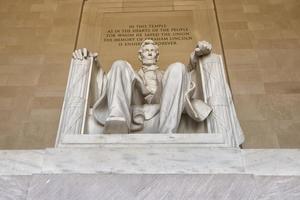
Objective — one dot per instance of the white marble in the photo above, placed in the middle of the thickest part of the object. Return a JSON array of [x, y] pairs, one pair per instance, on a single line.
[[75, 105], [149, 186], [150, 90], [217, 94], [277, 187], [14, 187], [146, 187], [175, 91], [227, 187], [272, 161], [159, 158], [21, 162], [146, 160], [203, 140]]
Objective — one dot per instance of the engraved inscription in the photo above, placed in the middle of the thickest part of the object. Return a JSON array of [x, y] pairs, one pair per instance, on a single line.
[[134, 34]]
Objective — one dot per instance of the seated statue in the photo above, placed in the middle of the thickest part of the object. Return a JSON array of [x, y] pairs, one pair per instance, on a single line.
[[149, 99]]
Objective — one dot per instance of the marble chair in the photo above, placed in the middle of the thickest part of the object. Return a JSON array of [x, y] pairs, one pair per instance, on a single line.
[[77, 113]]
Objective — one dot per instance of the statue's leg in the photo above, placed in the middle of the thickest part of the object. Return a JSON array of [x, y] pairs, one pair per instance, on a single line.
[[175, 83], [120, 81]]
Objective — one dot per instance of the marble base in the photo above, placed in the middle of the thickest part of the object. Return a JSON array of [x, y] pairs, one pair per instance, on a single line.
[[151, 159], [150, 172], [149, 187], [96, 140]]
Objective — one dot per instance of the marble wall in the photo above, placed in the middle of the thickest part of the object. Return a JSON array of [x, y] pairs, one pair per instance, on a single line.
[[260, 40]]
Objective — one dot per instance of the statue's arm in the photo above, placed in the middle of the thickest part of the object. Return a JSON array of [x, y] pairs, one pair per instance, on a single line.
[[195, 107], [202, 48]]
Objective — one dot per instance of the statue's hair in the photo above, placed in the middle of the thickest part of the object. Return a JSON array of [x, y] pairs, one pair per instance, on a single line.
[[146, 42]]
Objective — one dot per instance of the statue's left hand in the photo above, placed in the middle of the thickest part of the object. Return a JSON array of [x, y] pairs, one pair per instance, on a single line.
[[83, 53], [203, 48]]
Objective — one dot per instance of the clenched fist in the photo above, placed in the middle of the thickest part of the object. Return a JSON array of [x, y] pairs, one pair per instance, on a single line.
[[203, 48]]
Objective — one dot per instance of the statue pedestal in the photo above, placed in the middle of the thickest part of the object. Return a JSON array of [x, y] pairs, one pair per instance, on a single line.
[[121, 172], [151, 159]]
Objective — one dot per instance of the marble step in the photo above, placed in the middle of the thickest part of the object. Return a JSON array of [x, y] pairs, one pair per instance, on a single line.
[[149, 187], [151, 160]]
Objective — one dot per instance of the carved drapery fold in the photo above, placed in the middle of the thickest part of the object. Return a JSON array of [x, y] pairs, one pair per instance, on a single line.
[[217, 94], [76, 97]]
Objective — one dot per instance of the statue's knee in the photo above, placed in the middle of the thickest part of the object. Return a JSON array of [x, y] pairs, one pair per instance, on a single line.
[[120, 65], [177, 68]]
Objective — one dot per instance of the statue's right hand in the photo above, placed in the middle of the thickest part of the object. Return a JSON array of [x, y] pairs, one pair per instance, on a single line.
[[83, 53]]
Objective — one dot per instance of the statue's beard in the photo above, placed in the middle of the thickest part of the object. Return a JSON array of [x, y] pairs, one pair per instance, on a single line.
[[149, 61]]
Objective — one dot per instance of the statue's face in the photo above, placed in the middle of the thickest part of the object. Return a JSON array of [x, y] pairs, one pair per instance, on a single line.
[[149, 54]]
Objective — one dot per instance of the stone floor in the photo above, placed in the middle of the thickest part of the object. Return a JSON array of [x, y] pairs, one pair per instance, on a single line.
[[126, 186]]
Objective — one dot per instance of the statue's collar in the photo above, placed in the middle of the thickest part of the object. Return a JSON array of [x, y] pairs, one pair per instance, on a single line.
[[149, 68]]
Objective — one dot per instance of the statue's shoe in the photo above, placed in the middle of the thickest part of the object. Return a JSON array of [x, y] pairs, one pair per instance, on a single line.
[[115, 125]]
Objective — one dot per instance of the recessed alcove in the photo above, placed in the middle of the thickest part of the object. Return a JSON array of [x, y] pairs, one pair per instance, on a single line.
[[117, 35]]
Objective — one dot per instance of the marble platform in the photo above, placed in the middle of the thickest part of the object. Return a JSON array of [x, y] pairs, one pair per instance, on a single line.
[[151, 159], [150, 172]]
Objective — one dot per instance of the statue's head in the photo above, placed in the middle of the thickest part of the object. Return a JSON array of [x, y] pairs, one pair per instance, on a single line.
[[148, 52]]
